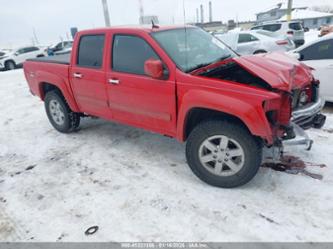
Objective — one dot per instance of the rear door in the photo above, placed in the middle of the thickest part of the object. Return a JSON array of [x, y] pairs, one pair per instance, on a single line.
[[134, 97], [87, 75], [320, 57]]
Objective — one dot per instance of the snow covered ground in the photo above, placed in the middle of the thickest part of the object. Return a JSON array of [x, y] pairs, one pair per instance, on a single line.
[[136, 186]]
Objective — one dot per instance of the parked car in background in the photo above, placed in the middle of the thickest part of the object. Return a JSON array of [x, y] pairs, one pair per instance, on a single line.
[[293, 29], [67, 50], [60, 47], [318, 54], [11, 59], [284, 38], [253, 42]]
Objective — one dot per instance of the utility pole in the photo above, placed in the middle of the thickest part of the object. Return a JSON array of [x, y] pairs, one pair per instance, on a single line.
[[210, 11], [142, 13], [290, 9], [35, 36], [202, 14], [106, 13]]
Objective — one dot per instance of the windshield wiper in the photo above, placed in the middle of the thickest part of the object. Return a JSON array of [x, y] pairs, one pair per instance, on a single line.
[[197, 67], [207, 64]]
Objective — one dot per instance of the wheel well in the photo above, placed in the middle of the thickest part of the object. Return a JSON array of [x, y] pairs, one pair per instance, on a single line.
[[198, 115], [10, 61], [47, 87]]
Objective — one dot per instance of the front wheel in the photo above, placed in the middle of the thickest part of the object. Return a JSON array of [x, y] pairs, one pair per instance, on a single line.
[[62, 118], [223, 154], [10, 65]]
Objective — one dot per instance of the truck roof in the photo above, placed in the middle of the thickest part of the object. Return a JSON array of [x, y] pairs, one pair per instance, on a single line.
[[143, 28]]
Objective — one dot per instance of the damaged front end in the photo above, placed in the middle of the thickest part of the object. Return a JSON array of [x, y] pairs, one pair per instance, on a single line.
[[298, 105]]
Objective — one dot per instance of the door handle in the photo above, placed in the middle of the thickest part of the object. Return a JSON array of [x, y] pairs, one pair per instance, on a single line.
[[114, 81], [77, 75]]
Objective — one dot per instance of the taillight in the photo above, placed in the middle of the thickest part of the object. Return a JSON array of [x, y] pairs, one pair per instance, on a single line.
[[290, 32], [282, 42]]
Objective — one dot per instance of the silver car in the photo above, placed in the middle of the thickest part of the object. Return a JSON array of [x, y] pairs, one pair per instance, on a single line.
[[292, 29], [254, 42]]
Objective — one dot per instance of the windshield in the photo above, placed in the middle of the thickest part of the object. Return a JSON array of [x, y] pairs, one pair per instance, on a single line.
[[295, 26], [192, 48]]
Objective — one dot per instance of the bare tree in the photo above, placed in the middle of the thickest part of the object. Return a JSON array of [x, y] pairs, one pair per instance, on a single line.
[[323, 8]]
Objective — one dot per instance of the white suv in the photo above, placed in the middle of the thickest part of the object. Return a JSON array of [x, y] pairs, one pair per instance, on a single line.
[[11, 59], [293, 30]]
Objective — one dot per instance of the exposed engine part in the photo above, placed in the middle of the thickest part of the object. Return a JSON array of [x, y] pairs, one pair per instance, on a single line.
[[233, 72]]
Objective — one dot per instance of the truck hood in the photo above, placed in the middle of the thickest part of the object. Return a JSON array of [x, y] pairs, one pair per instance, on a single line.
[[279, 70]]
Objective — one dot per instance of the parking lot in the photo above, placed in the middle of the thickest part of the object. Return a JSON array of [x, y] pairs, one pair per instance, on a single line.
[[136, 186]]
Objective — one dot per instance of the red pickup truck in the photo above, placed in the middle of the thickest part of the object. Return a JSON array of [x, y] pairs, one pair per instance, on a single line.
[[183, 83]]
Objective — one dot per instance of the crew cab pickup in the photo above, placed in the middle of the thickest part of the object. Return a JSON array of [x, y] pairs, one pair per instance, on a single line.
[[183, 83]]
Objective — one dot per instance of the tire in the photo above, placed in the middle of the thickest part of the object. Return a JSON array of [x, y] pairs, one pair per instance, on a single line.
[[10, 65], [239, 141], [260, 52], [62, 118]]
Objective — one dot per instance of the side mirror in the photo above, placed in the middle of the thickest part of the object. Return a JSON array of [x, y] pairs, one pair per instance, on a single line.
[[16, 54], [154, 68]]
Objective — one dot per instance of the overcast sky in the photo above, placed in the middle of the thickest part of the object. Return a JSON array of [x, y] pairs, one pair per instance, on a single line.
[[52, 19]]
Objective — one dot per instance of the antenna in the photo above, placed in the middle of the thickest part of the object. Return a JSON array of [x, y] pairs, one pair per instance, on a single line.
[[185, 33], [153, 25]]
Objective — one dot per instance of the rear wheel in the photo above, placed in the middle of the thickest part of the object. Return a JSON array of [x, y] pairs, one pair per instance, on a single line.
[[62, 118], [223, 154], [10, 65]]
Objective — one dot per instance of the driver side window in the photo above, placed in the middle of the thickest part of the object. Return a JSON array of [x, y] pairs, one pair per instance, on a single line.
[[130, 54], [320, 51]]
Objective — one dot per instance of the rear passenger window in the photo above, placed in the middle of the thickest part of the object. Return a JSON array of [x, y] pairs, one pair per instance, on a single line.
[[91, 49], [272, 27], [246, 38], [256, 27], [30, 49], [130, 54], [295, 26]]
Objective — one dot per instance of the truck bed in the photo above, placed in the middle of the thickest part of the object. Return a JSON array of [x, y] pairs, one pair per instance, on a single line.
[[63, 59]]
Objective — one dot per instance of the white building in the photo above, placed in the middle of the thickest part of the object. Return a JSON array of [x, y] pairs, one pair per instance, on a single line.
[[275, 12], [311, 19]]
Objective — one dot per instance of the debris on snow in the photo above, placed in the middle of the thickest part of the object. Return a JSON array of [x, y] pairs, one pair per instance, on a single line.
[[294, 165]]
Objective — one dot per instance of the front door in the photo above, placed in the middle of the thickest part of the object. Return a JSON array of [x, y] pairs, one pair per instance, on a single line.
[[134, 97]]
